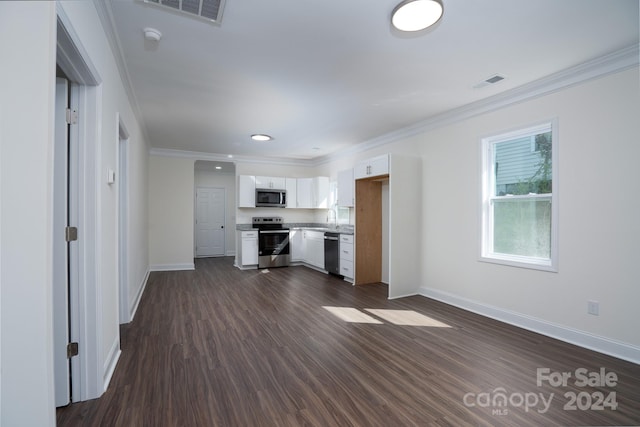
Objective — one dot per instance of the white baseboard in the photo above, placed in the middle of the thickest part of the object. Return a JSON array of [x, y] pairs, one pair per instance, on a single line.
[[173, 267], [109, 366], [403, 296], [141, 289], [230, 253], [597, 343]]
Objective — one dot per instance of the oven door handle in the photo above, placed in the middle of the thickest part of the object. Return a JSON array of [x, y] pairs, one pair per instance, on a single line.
[[274, 231]]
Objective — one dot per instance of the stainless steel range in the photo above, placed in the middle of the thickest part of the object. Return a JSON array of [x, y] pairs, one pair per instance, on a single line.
[[273, 242]]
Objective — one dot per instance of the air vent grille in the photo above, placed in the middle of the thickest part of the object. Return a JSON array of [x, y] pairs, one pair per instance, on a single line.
[[489, 81], [494, 79], [211, 10]]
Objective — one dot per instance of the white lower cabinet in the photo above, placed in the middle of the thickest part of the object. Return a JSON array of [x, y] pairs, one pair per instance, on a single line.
[[296, 245], [314, 248], [346, 256], [249, 251], [307, 246]]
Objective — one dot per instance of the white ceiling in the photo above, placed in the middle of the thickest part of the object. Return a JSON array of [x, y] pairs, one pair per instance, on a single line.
[[323, 76]]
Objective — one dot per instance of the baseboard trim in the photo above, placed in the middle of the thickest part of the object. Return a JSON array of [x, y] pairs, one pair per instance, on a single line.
[[173, 267], [111, 362], [402, 296], [142, 287], [587, 340]]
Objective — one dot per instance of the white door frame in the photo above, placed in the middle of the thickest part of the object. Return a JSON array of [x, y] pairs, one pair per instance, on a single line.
[[122, 181], [85, 306], [62, 262]]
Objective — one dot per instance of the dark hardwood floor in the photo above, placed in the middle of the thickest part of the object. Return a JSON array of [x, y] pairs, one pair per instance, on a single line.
[[223, 347]]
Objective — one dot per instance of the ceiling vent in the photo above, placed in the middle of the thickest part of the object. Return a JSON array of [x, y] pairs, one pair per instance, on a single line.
[[490, 81], [210, 10]]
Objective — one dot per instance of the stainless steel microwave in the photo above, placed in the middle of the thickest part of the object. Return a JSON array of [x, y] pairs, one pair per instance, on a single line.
[[271, 198]]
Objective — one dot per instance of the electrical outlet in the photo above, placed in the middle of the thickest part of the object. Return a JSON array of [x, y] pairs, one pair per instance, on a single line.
[[593, 307]]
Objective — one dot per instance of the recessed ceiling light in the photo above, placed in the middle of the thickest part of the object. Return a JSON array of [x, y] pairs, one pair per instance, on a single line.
[[218, 167], [416, 15], [261, 137]]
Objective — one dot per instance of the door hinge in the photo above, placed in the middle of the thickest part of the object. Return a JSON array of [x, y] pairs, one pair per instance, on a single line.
[[71, 234], [72, 349], [72, 116]]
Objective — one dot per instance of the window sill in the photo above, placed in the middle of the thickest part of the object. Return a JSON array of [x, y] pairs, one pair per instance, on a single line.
[[521, 262]]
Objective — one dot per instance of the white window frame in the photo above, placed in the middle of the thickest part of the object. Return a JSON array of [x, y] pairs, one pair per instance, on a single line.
[[488, 198]]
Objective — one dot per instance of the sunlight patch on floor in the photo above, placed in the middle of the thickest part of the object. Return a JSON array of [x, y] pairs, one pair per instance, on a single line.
[[406, 317], [396, 317], [352, 315]]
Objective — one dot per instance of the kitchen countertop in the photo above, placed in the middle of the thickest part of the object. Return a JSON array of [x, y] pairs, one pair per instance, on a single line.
[[342, 229]]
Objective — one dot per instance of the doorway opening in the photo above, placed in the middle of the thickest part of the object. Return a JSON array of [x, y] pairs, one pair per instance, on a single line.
[[214, 221]]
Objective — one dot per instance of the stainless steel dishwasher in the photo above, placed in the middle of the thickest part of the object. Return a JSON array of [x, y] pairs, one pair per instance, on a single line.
[[332, 252]]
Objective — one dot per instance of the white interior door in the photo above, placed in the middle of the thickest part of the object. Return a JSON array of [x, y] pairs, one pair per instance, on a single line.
[[60, 247], [210, 220]]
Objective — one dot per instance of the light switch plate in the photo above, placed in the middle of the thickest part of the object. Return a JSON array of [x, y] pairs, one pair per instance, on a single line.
[[111, 176]]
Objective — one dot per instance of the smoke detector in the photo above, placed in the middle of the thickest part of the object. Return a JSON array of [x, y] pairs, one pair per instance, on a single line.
[[152, 34]]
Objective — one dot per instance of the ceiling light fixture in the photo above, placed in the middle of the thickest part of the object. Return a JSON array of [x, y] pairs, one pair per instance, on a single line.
[[416, 15], [152, 34], [261, 137]]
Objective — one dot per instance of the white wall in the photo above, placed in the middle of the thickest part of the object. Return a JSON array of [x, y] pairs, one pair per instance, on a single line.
[[138, 250], [28, 43], [113, 103], [171, 210], [599, 228], [26, 138], [213, 179]]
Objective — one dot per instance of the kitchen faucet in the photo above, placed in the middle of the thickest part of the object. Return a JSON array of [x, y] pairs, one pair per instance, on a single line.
[[335, 216]]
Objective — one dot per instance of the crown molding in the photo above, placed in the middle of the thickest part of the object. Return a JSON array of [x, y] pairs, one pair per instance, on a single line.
[[105, 14], [199, 155], [614, 62]]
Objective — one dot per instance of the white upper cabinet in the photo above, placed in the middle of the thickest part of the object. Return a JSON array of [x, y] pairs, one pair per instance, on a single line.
[[321, 187], [375, 166], [345, 188], [304, 193], [313, 193], [291, 185], [276, 183], [246, 191]]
